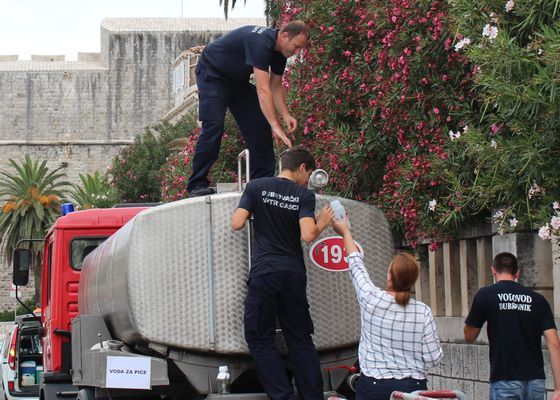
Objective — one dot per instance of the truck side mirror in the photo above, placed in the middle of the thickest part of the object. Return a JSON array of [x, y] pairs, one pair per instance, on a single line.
[[21, 260]]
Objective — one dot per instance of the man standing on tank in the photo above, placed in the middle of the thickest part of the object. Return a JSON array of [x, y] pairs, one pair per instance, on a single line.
[[222, 76], [284, 211]]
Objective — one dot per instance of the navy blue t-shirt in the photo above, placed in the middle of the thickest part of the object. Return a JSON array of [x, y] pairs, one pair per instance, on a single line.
[[517, 317], [235, 54], [277, 205]]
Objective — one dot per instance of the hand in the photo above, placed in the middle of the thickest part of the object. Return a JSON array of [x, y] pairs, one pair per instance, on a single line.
[[340, 226], [325, 217], [290, 122], [280, 137], [555, 395], [197, 49]]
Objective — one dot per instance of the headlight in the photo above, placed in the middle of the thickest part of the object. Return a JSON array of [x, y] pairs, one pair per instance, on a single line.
[[318, 179]]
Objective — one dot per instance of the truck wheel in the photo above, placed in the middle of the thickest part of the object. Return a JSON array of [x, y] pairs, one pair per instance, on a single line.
[[85, 394]]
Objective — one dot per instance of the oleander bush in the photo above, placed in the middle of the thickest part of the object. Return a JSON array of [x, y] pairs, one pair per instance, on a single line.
[[136, 169], [376, 94], [439, 112]]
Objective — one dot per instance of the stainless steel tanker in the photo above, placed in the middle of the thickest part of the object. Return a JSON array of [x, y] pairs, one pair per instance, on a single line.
[[171, 283]]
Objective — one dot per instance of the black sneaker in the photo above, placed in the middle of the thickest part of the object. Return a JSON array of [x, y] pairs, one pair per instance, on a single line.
[[201, 191]]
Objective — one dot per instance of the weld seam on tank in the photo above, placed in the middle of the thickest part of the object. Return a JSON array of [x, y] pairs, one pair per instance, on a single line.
[[210, 249]]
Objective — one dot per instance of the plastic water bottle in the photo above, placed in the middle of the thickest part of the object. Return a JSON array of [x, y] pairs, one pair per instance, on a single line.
[[338, 208], [223, 379]]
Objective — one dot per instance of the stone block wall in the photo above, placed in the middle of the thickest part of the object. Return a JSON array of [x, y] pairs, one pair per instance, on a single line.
[[52, 101], [114, 95], [7, 295]]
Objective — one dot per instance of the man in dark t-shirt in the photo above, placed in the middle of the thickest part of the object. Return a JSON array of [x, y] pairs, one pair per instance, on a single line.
[[222, 76], [517, 318], [284, 212]]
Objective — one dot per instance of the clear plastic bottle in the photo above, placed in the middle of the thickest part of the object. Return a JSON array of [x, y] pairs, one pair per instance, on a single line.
[[338, 209], [223, 380]]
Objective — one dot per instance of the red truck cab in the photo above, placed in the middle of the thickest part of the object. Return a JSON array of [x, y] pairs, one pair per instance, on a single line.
[[69, 240]]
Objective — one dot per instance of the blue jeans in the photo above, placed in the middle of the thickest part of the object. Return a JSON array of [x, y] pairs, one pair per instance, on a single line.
[[517, 390]]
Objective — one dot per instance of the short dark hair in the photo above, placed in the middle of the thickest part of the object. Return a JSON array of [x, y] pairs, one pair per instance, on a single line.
[[295, 28], [505, 262], [296, 156]]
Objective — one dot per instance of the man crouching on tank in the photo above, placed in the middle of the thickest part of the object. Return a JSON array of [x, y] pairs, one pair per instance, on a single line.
[[284, 212]]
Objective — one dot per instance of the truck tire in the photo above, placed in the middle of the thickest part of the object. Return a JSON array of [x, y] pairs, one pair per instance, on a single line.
[[85, 394]]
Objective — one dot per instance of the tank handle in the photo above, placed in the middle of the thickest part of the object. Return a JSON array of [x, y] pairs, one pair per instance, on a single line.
[[240, 156]]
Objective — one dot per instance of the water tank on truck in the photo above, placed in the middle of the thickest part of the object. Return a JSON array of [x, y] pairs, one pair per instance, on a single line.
[[168, 288]]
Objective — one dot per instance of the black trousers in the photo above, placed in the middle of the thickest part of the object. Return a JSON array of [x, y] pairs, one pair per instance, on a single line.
[[282, 295], [381, 389], [215, 95]]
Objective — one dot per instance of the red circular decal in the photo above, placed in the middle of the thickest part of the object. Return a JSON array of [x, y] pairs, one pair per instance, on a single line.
[[329, 254]]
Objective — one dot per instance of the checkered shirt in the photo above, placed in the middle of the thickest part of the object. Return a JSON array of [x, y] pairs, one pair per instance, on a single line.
[[396, 342]]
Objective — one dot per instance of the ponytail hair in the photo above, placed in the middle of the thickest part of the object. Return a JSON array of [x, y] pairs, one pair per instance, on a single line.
[[404, 271]]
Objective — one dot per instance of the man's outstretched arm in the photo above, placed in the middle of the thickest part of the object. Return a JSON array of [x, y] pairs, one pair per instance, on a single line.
[[311, 229], [266, 101], [280, 102]]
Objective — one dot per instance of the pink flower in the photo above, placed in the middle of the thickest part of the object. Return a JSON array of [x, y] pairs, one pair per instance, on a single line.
[[544, 233], [347, 53], [509, 5], [433, 245], [490, 31]]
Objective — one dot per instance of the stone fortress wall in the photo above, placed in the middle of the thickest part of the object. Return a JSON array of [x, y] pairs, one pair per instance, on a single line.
[[79, 114]]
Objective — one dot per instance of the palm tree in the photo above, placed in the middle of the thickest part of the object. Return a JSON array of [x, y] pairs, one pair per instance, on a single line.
[[95, 191], [271, 9], [29, 202], [226, 5]]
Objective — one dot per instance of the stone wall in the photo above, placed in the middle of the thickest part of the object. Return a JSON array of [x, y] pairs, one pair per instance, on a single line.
[[7, 300], [79, 114]]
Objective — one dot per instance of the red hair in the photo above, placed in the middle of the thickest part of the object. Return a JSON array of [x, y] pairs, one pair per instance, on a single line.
[[404, 271]]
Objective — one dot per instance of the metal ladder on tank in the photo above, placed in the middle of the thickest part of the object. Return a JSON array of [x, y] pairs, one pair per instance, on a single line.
[[245, 155]]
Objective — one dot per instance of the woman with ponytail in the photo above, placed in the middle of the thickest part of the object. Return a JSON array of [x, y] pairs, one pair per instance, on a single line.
[[399, 341]]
